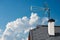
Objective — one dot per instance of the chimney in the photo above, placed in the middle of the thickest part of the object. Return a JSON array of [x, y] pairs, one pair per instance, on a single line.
[[51, 29]]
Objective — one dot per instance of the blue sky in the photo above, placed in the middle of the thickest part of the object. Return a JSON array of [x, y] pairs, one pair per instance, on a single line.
[[10, 10]]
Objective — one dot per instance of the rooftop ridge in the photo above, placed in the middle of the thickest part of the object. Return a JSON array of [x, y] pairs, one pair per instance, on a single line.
[[45, 26]]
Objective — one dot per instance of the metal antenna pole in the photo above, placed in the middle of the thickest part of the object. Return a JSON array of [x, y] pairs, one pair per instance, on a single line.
[[45, 8], [48, 13]]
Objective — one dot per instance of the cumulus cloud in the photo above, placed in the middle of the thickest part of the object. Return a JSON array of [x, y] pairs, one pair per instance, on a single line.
[[1, 32], [44, 20], [33, 19], [18, 29]]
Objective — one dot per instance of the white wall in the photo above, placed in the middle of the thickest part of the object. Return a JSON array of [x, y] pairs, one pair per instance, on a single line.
[[51, 29]]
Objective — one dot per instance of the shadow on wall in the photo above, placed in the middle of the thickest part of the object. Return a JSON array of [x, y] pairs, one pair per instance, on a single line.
[[57, 34]]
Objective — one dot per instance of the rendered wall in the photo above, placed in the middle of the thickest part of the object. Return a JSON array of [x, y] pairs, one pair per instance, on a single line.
[[51, 29]]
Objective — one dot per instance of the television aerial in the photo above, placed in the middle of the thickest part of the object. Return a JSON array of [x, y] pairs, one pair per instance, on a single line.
[[44, 8]]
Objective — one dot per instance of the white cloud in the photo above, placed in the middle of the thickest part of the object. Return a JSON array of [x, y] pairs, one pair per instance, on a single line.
[[1, 32], [33, 19], [27, 30], [44, 20], [18, 29]]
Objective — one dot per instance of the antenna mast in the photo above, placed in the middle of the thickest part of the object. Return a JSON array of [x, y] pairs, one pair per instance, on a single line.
[[45, 8], [48, 13]]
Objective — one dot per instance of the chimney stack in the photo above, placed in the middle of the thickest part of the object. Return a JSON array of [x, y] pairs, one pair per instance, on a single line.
[[51, 29]]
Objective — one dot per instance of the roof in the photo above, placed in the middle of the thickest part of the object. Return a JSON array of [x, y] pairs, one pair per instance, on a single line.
[[41, 33]]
